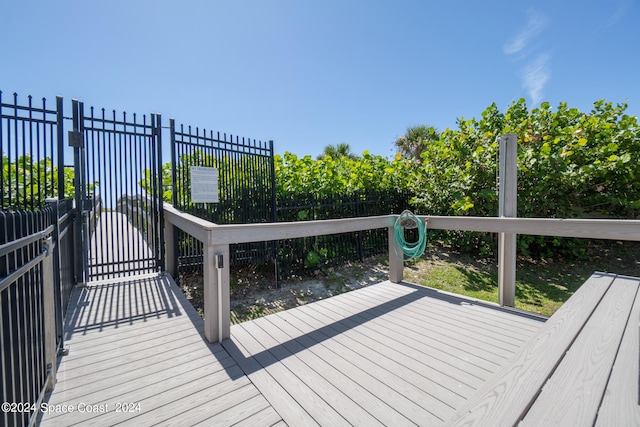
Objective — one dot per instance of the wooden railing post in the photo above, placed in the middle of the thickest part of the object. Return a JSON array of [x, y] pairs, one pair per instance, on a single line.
[[508, 208], [170, 248], [217, 304], [396, 266]]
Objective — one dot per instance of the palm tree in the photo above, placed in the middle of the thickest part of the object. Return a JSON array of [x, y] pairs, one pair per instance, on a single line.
[[338, 150], [415, 140]]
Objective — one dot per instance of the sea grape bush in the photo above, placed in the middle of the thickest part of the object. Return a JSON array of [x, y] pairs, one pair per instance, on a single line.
[[27, 182], [570, 164], [343, 175]]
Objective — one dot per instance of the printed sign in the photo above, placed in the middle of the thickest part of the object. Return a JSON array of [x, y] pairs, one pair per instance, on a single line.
[[204, 184]]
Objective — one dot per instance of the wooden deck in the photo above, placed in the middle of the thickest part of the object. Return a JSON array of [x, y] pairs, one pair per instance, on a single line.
[[388, 354], [141, 343]]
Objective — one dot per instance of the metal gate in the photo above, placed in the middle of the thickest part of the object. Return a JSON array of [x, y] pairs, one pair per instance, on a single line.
[[118, 188]]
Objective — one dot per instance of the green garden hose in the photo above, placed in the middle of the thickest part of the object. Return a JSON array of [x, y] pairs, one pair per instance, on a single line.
[[410, 250]]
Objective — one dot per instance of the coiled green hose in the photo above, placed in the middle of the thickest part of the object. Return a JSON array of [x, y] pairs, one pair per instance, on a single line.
[[410, 250]]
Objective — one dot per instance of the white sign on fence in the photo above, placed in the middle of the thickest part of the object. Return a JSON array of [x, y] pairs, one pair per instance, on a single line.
[[204, 184]]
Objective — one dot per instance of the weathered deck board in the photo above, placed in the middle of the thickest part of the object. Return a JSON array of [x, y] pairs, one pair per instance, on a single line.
[[366, 357], [328, 390], [141, 341], [266, 417], [279, 397], [479, 314], [350, 376], [621, 403], [429, 345], [417, 321], [372, 357], [413, 350], [585, 356], [380, 339], [356, 343], [584, 370]]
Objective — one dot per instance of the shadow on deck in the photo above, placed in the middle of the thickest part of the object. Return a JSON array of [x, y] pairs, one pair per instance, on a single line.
[[137, 356], [388, 354]]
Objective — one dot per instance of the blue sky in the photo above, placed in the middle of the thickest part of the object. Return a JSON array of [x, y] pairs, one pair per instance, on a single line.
[[310, 73]]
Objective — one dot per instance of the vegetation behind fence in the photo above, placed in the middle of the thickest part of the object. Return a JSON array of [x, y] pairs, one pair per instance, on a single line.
[[31, 153], [310, 253]]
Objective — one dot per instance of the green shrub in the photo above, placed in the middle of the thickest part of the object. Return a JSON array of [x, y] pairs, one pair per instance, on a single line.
[[570, 164]]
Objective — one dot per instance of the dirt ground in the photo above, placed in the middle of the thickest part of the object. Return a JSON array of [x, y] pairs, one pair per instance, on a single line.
[[254, 292]]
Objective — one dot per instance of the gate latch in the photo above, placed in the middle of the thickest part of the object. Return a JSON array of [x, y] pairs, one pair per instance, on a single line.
[[76, 139]]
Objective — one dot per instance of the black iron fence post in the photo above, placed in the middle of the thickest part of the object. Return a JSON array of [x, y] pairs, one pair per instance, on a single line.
[[60, 146], [156, 121], [357, 210], [274, 207], [54, 204], [174, 199], [76, 140]]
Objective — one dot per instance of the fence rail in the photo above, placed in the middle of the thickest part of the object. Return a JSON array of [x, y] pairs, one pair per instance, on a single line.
[[30, 325], [612, 229]]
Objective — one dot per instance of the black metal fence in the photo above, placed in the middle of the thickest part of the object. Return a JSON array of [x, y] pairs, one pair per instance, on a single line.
[[31, 153], [32, 179], [299, 255], [246, 188], [246, 194], [26, 291]]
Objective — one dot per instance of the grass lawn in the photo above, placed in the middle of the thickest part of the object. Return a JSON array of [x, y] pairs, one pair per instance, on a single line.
[[541, 285]]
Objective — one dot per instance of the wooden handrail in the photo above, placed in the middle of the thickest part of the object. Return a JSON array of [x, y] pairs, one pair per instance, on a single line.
[[217, 238], [612, 229], [260, 232]]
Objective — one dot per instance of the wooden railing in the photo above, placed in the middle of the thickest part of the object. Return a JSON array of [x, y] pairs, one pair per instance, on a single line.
[[217, 238]]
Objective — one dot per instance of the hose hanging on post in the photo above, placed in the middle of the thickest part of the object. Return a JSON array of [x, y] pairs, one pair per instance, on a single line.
[[407, 220]]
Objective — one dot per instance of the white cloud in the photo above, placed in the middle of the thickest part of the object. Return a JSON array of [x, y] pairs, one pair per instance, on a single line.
[[619, 13], [536, 23], [535, 76], [536, 72]]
